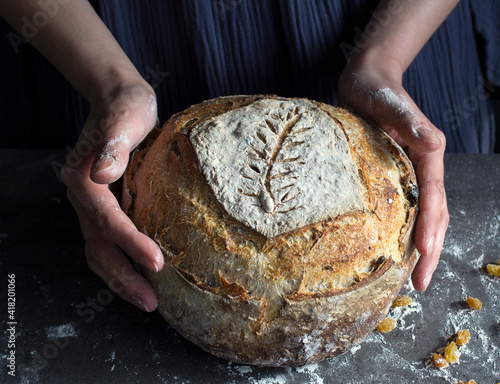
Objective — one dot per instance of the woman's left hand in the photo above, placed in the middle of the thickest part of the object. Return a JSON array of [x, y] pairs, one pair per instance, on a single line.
[[375, 92]]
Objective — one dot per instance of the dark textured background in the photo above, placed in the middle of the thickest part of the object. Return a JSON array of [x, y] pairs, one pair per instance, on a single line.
[[59, 340]]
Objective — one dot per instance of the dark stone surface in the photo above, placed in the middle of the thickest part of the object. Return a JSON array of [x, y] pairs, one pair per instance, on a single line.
[[61, 337]]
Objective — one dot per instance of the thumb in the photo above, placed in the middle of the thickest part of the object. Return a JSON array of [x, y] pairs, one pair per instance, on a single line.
[[122, 132], [395, 111], [111, 160]]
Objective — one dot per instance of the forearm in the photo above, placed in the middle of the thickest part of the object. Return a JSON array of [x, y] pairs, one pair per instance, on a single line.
[[399, 29], [77, 42]]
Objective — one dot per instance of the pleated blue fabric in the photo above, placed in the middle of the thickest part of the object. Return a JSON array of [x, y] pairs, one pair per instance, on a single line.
[[192, 50], [297, 48]]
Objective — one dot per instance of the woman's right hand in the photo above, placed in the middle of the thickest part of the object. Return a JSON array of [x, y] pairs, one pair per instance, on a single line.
[[117, 123], [123, 111]]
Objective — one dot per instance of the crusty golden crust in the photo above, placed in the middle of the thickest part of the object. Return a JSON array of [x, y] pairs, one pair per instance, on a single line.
[[292, 299]]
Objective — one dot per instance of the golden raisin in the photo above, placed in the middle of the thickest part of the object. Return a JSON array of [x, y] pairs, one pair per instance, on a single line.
[[463, 337], [451, 353], [386, 325], [494, 269], [474, 303], [402, 301], [439, 361]]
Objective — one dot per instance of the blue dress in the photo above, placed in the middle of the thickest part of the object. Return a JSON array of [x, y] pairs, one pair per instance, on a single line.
[[193, 50]]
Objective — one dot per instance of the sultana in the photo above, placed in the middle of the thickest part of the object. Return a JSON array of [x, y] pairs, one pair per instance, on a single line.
[[402, 301], [386, 325], [451, 353], [463, 337], [474, 303], [439, 361], [494, 269]]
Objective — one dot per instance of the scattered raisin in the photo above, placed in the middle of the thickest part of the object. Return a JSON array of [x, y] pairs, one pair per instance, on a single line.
[[451, 353], [402, 301], [439, 361], [494, 269], [463, 337], [386, 325], [474, 303]]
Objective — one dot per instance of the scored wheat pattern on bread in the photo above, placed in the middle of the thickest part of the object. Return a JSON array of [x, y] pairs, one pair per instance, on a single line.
[[265, 176], [277, 165]]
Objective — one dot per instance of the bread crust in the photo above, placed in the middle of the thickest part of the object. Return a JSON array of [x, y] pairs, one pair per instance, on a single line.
[[289, 300]]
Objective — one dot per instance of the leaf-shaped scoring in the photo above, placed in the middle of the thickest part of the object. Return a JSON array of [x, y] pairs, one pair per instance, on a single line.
[[277, 165], [274, 139]]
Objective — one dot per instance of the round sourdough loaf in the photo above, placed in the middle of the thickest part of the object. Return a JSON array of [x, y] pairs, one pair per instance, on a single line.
[[286, 226]]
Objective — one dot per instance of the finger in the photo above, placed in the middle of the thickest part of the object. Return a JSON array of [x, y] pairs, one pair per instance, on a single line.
[[125, 126], [425, 145], [119, 228], [110, 264], [427, 264], [104, 257], [104, 218], [429, 170], [433, 218]]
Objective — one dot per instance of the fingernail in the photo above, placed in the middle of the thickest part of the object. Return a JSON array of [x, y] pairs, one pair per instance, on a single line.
[[103, 164], [425, 134], [427, 280], [139, 302], [149, 264], [430, 246]]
